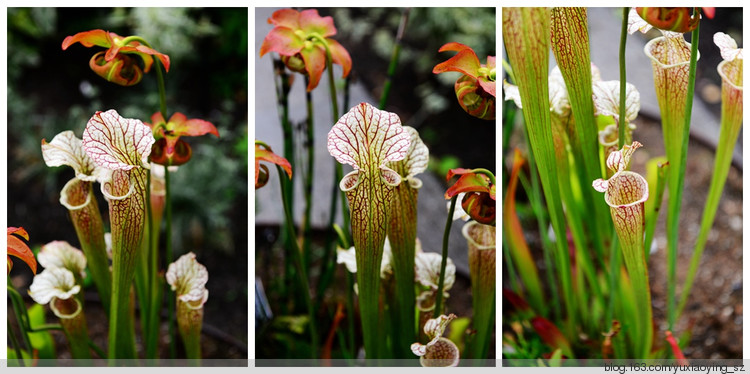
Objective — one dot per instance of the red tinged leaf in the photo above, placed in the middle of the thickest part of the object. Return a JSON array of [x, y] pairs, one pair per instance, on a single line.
[[681, 360], [17, 248], [517, 301], [551, 335]]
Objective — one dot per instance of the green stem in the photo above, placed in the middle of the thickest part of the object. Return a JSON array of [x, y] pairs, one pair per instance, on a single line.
[[16, 346], [675, 199], [308, 182], [444, 260], [168, 255], [394, 58], [282, 94], [301, 273], [623, 80]]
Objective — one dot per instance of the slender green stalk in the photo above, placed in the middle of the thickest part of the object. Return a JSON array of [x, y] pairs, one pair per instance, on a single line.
[[301, 273], [656, 174], [15, 345], [168, 255], [282, 95], [308, 181], [142, 273], [444, 260], [623, 79], [394, 58], [675, 199]]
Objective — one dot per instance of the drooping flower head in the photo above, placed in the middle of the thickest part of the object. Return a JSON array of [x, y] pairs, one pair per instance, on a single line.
[[439, 351], [475, 89], [117, 64], [301, 38], [169, 149], [672, 19], [479, 193], [264, 153], [17, 248]]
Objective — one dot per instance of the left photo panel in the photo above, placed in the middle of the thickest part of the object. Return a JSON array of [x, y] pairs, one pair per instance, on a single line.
[[127, 143]]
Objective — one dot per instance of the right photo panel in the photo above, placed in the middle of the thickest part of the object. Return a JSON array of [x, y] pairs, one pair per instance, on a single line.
[[622, 186]]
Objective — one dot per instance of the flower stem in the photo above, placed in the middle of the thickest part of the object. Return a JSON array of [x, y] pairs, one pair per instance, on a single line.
[[394, 58], [168, 260], [623, 39], [444, 261], [675, 199], [16, 346], [301, 273], [308, 182]]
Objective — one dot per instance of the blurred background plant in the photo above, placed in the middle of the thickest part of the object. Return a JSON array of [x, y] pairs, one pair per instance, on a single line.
[[51, 90]]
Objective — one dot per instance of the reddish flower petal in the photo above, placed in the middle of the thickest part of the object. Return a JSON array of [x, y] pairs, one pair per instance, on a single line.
[[454, 47], [263, 154], [288, 18], [181, 126], [17, 248], [122, 70], [469, 183], [156, 120], [283, 41], [340, 56], [457, 171], [709, 11], [487, 85], [480, 207], [20, 231], [490, 62], [310, 22], [315, 63], [89, 39], [465, 61], [144, 52]]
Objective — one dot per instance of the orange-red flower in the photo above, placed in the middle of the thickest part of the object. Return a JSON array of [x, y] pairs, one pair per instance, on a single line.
[[169, 149], [264, 153], [301, 38], [673, 19], [17, 248], [476, 88], [479, 188], [115, 64]]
